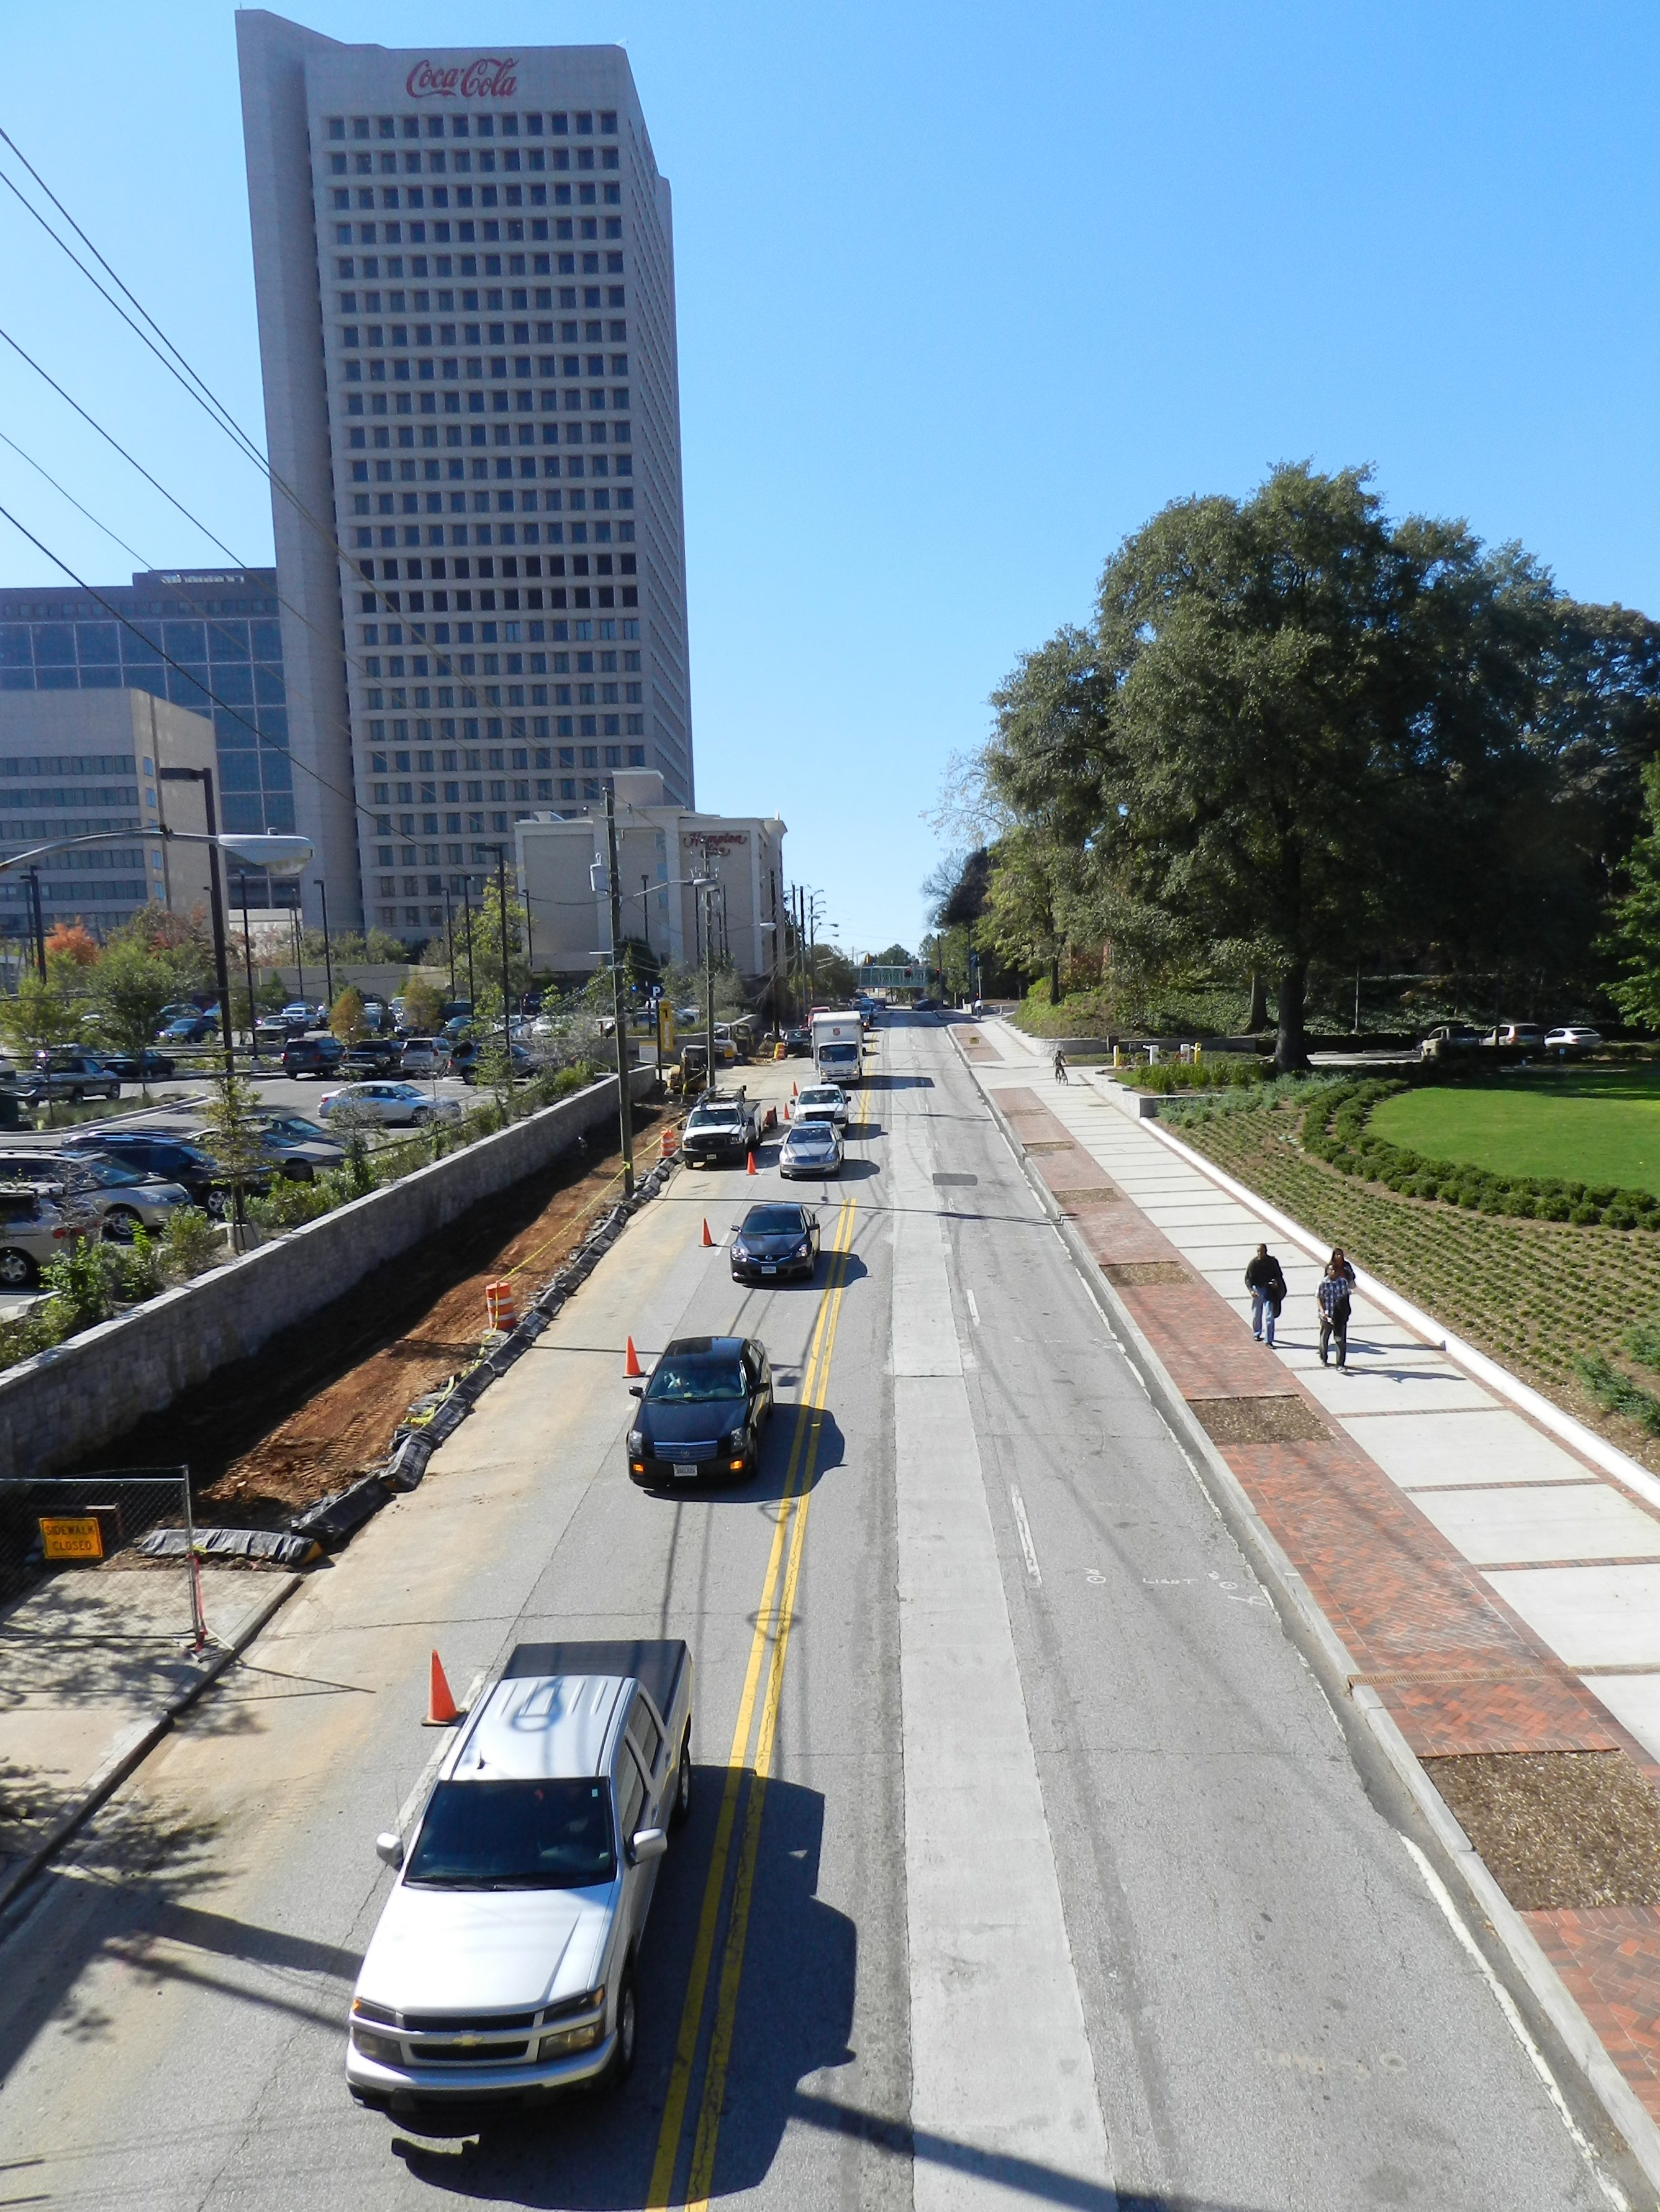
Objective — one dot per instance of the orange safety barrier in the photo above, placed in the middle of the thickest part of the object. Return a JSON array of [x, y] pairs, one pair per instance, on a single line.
[[502, 1304], [670, 1144]]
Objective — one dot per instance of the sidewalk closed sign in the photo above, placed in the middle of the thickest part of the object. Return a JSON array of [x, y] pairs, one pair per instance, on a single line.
[[76, 1536]]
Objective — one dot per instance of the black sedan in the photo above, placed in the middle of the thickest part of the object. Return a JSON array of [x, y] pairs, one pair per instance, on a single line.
[[176, 1159], [797, 1044], [702, 1412], [775, 1240], [138, 1067]]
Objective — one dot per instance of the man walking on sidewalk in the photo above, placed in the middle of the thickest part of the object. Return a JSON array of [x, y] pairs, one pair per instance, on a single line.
[[1061, 1075], [1336, 1285], [1266, 1283]]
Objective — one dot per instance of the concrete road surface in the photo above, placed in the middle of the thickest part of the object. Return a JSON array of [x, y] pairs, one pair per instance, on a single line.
[[1028, 1862]]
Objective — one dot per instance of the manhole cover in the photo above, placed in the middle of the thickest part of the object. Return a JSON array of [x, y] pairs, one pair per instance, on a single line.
[[1277, 1420], [1133, 1274], [953, 1182]]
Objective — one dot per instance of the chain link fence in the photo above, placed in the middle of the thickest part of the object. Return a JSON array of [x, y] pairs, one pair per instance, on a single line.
[[81, 1520]]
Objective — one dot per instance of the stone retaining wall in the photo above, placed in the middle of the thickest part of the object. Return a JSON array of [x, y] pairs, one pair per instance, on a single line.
[[72, 1400]]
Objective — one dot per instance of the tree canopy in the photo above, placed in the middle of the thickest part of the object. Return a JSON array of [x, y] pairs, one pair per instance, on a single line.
[[1298, 733]]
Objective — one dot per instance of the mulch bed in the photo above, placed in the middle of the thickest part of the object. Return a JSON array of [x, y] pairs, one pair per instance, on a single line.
[[1560, 1830]]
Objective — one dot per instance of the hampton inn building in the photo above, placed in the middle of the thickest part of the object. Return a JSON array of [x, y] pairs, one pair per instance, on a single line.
[[463, 265]]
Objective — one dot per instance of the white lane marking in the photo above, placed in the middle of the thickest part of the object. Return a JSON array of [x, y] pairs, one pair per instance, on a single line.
[[973, 1310], [1024, 1526], [1438, 1889]]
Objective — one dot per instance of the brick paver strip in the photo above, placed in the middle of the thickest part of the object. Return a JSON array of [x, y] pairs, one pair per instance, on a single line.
[[1458, 1670], [1399, 1595], [1609, 1959]]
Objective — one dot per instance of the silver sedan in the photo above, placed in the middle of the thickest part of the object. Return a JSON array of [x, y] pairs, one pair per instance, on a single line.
[[812, 1148], [387, 1102]]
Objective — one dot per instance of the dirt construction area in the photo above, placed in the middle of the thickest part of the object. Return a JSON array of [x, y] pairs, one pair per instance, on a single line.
[[317, 1406]]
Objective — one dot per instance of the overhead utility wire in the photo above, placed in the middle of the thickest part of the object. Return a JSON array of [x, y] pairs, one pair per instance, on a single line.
[[214, 408]]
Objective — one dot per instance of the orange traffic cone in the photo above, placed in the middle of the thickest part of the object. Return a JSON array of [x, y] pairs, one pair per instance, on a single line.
[[795, 1091], [630, 1365], [708, 1238], [751, 1169], [442, 1711], [789, 1108]]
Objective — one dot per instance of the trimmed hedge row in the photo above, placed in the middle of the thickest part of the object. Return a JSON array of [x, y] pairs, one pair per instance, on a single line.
[[1335, 1130]]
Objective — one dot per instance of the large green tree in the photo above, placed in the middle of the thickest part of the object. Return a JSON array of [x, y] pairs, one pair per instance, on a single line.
[[1300, 733]]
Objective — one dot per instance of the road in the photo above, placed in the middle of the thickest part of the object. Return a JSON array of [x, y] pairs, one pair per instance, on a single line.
[[1028, 1862]]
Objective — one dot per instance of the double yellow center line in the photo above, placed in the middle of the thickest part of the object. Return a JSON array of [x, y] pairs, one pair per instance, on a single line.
[[768, 1649]]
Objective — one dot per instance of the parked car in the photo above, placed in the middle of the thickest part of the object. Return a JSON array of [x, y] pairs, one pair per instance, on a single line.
[[309, 1014], [503, 1962], [1570, 1038], [776, 1240], [175, 1158], [122, 1198], [189, 1029], [312, 1055], [1525, 1034], [722, 1126], [372, 1056], [182, 1010], [33, 1232], [797, 1044], [402, 1102], [423, 1055], [71, 1074], [1447, 1037], [463, 1060], [813, 1147], [298, 1149], [138, 1067], [822, 1102], [702, 1412]]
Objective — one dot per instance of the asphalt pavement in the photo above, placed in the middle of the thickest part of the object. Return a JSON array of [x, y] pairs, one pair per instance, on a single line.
[[1028, 1862]]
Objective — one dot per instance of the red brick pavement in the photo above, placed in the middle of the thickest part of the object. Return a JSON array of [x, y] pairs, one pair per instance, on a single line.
[[1458, 1670], [1609, 1959]]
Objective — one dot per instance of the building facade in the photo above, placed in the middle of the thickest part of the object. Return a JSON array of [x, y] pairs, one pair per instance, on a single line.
[[661, 848], [463, 266], [74, 763], [207, 639]]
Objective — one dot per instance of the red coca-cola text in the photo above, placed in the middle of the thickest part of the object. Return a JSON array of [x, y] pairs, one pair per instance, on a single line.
[[491, 77]]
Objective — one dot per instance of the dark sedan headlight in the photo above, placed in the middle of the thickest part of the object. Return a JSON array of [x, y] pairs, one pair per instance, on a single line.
[[636, 1443], [741, 1250], [734, 1443], [803, 1250]]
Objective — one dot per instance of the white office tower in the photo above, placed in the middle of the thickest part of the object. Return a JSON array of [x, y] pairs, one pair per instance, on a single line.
[[465, 269]]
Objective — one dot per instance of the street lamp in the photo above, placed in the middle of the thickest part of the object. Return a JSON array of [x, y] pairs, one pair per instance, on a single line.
[[276, 853]]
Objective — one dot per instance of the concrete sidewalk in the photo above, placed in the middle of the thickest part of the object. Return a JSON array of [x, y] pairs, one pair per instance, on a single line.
[[1499, 1592], [95, 1664]]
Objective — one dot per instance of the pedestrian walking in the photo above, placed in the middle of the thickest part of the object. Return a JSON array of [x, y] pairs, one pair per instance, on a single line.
[[1337, 1286], [1265, 1281], [1061, 1075]]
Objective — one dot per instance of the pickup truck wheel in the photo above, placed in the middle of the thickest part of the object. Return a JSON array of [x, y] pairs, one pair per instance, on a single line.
[[623, 2057], [681, 1809]]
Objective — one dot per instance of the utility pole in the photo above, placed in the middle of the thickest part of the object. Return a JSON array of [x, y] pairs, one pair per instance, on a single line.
[[449, 937], [39, 924], [328, 956], [247, 961], [625, 1101], [501, 916], [467, 923]]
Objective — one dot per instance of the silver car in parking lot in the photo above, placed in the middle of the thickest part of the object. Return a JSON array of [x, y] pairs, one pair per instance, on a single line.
[[121, 1199]]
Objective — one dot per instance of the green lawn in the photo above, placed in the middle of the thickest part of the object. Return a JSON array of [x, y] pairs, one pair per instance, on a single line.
[[1592, 1124]]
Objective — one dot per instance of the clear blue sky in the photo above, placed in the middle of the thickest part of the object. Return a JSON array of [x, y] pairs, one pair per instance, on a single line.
[[965, 295]]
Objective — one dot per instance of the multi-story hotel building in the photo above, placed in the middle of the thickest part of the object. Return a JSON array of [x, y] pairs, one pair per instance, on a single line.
[[463, 265]]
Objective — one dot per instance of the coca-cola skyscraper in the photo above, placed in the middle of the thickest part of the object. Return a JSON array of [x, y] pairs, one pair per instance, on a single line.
[[464, 262]]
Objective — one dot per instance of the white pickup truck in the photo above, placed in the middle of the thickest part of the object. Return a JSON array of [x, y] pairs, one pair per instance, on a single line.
[[504, 1962], [838, 1041]]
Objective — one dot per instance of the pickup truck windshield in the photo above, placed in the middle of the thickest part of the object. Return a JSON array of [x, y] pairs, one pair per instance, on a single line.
[[716, 1117], [696, 1382], [515, 1835]]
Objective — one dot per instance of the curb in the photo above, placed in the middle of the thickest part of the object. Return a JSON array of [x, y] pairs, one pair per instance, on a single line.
[[1335, 1665], [134, 1745]]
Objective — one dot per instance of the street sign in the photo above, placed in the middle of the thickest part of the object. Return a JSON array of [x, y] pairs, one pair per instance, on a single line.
[[76, 1536]]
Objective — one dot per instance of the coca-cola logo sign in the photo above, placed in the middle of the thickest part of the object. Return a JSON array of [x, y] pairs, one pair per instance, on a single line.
[[490, 77]]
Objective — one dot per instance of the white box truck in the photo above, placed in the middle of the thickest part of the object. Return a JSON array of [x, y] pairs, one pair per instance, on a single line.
[[837, 1040]]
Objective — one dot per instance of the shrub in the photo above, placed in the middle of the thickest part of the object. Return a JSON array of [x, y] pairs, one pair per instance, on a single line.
[[1617, 1394], [191, 1244]]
